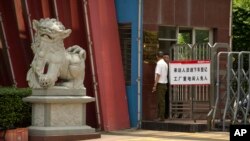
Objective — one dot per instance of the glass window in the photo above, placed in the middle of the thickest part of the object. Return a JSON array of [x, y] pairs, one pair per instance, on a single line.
[[167, 37], [193, 35], [201, 36], [167, 32], [185, 36]]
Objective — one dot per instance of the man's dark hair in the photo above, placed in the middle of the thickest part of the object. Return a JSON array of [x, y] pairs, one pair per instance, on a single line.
[[160, 53]]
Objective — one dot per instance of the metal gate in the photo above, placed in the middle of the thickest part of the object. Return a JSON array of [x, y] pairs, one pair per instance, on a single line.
[[193, 101], [232, 105]]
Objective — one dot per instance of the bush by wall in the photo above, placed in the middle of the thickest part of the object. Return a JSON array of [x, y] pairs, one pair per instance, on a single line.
[[13, 111]]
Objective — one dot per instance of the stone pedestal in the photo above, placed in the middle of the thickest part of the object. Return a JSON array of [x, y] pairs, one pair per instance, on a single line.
[[59, 113]]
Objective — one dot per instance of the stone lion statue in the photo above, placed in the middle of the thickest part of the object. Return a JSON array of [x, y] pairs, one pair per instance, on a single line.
[[53, 65]]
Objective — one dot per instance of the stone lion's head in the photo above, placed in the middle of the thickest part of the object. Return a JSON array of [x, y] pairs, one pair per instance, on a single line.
[[50, 29]]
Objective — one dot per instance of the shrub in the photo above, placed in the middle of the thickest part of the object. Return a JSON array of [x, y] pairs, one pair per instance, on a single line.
[[14, 112]]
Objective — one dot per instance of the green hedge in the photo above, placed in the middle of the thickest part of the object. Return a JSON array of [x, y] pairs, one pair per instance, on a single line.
[[13, 111]]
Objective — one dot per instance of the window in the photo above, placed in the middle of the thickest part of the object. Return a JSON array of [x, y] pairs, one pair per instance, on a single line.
[[125, 41], [169, 35], [194, 35], [166, 38], [201, 36], [185, 36], [167, 32]]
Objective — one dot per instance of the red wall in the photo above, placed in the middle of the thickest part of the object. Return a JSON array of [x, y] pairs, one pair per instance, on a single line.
[[189, 13], [104, 29]]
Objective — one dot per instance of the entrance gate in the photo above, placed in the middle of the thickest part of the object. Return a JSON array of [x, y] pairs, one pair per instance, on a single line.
[[193, 101], [232, 105]]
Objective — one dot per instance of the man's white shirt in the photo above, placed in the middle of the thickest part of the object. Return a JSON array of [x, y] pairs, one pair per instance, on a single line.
[[162, 70]]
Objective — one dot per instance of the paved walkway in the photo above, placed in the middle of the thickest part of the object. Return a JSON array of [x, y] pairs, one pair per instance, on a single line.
[[150, 135]]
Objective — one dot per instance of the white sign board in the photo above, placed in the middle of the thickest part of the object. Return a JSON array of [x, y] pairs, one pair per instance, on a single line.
[[194, 72]]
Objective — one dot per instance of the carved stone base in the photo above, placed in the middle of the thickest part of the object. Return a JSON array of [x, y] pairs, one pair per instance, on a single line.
[[56, 131], [59, 113], [65, 138]]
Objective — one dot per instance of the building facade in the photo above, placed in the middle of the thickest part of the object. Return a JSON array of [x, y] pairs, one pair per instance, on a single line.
[[120, 37], [168, 22]]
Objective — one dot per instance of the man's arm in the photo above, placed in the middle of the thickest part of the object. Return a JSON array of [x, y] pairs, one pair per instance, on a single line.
[[157, 77]]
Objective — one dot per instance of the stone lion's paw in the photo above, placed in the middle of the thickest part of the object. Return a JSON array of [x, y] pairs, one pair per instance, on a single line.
[[45, 81]]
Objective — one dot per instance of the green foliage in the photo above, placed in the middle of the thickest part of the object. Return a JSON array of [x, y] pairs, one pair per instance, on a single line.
[[14, 112], [241, 29], [184, 38], [245, 4]]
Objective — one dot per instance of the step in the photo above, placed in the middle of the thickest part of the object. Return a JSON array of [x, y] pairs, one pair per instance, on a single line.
[[176, 125]]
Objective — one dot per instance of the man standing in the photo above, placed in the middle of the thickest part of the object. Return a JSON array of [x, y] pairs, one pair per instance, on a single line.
[[160, 84]]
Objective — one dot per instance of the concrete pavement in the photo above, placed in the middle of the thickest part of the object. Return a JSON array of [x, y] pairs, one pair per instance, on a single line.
[[151, 135]]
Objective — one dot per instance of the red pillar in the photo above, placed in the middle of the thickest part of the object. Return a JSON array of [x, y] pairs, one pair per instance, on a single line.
[[108, 61]]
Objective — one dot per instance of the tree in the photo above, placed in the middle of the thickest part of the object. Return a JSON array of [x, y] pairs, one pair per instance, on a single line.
[[241, 25], [245, 4]]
